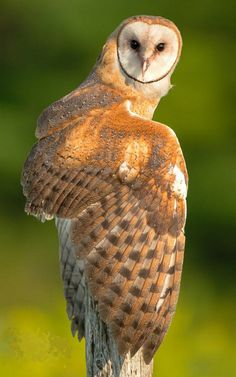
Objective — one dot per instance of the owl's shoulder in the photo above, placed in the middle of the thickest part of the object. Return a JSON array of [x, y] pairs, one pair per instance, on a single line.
[[124, 124], [132, 144], [95, 126]]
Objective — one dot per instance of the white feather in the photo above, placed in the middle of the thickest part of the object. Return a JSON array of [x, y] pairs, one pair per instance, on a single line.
[[179, 186]]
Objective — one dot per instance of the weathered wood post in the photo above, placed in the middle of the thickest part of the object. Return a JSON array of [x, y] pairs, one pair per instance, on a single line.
[[102, 357]]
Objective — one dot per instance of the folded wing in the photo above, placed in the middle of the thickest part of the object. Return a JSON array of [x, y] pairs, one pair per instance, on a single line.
[[117, 186]]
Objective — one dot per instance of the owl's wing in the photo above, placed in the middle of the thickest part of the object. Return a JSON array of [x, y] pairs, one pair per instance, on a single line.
[[72, 273], [121, 182]]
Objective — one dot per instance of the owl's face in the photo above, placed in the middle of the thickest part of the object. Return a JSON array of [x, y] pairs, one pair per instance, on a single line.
[[140, 56], [148, 52]]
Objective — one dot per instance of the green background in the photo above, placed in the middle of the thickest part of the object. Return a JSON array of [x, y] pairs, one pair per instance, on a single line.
[[47, 48]]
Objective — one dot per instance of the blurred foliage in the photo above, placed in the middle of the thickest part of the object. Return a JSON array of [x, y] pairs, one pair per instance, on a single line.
[[46, 49]]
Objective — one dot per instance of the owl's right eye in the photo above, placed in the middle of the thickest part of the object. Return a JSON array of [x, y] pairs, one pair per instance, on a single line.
[[134, 44]]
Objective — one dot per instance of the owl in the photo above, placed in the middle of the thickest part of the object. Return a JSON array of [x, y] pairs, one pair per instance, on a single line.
[[116, 183]]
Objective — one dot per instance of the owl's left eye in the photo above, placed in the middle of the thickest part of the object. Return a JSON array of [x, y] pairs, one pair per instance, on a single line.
[[161, 46]]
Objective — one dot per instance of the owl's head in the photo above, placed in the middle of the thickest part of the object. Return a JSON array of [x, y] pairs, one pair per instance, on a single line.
[[146, 50]]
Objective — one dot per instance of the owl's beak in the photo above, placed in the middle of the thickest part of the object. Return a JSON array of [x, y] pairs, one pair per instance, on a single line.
[[145, 66]]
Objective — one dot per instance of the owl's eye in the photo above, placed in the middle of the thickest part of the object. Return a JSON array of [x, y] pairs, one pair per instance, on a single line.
[[134, 44], [160, 47]]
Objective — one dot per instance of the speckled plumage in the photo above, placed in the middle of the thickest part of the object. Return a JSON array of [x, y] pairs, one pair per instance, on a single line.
[[112, 179]]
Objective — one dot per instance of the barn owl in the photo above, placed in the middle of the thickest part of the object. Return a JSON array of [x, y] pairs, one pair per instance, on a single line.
[[116, 182]]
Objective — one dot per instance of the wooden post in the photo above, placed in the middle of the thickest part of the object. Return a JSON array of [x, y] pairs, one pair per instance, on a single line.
[[102, 357]]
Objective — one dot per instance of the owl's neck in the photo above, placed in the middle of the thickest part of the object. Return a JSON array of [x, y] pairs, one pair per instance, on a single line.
[[134, 101], [141, 106]]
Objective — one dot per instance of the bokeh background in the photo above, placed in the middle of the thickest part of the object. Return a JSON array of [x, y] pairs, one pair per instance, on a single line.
[[46, 49]]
